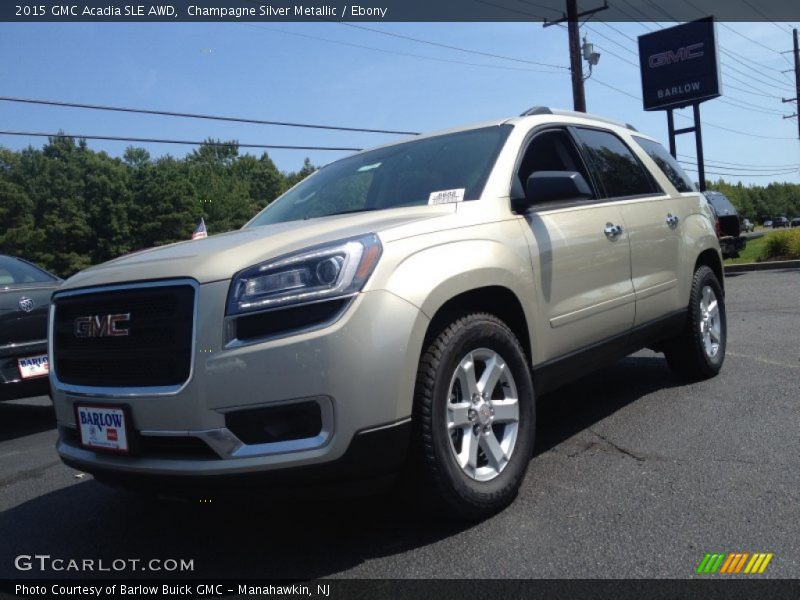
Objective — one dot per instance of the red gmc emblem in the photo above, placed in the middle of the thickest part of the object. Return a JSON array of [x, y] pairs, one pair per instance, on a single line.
[[680, 55]]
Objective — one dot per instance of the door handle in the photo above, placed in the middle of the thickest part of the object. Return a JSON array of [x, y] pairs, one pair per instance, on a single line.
[[672, 221], [612, 231]]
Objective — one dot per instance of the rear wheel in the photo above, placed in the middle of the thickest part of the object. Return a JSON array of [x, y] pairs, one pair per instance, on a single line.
[[473, 418], [699, 351]]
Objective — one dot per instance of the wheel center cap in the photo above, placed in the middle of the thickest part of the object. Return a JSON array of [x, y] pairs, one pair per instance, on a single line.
[[484, 413]]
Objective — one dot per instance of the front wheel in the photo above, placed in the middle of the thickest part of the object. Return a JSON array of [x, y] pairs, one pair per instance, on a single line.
[[699, 351], [473, 418]]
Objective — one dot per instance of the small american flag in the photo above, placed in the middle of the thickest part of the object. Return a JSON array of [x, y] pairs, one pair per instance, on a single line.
[[200, 232]]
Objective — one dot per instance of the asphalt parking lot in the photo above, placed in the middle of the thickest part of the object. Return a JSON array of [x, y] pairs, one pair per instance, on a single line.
[[635, 475]]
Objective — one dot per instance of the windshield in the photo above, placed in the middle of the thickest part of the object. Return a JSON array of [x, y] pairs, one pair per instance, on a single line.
[[407, 174]]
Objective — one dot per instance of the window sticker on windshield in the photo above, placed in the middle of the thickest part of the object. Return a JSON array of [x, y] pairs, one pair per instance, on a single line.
[[446, 196], [369, 167]]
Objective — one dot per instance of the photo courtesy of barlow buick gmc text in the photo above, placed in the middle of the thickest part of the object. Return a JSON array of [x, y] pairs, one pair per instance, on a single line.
[[400, 300]]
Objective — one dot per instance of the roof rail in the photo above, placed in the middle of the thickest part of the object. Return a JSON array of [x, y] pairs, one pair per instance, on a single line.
[[543, 110], [537, 110]]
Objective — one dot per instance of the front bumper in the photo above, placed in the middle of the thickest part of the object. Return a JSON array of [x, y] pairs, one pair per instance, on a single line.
[[362, 367]]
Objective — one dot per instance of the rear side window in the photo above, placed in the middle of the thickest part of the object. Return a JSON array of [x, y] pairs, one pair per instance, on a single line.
[[618, 170], [667, 163]]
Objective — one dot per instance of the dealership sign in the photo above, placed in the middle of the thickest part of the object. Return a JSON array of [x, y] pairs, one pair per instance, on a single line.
[[679, 65]]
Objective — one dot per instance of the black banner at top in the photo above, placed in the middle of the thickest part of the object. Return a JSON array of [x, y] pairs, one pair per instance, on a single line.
[[391, 10]]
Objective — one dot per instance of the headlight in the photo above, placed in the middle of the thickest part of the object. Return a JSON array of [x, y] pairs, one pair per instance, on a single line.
[[324, 272]]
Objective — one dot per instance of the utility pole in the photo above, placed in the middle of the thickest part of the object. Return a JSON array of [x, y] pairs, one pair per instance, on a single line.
[[572, 17], [797, 80], [796, 98], [575, 64]]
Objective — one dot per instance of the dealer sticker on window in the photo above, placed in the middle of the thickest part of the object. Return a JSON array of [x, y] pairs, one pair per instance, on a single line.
[[446, 196], [102, 427], [33, 366]]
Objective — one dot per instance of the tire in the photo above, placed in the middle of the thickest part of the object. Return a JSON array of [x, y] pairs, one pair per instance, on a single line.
[[469, 454], [699, 351]]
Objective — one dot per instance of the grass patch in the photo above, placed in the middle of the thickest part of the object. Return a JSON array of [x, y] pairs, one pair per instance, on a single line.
[[774, 245]]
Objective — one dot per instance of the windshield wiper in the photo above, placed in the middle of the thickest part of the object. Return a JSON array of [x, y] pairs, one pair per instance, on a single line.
[[347, 212]]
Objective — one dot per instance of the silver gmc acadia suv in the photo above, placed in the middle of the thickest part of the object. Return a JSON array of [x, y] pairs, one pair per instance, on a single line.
[[396, 313]]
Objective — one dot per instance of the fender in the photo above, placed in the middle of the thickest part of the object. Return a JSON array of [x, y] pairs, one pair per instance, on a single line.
[[698, 236], [433, 275]]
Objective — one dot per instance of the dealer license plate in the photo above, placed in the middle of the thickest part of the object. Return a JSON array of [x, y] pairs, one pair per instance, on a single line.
[[33, 366], [102, 427]]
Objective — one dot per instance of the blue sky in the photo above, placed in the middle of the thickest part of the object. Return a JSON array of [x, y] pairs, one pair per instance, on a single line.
[[283, 71]]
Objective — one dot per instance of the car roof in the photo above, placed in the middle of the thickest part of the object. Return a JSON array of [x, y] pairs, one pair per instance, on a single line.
[[541, 114]]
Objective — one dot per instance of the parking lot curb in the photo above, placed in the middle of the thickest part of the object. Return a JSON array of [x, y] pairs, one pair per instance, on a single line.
[[763, 266]]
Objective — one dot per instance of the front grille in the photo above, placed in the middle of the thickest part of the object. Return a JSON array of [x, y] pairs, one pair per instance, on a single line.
[[157, 350]]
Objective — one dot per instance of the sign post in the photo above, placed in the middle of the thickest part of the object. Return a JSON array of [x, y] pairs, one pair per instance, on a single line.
[[679, 68]]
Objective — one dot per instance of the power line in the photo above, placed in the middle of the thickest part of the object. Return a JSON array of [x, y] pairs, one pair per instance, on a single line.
[[450, 47], [704, 13], [514, 10], [751, 39], [773, 83], [744, 82], [613, 41], [661, 10], [616, 89], [615, 55], [737, 131], [735, 164], [689, 168], [396, 52], [167, 113], [763, 14], [725, 64], [751, 92], [633, 18], [163, 141], [622, 33], [732, 102], [706, 123], [632, 7], [748, 106], [542, 6], [742, 170], [742, 57]]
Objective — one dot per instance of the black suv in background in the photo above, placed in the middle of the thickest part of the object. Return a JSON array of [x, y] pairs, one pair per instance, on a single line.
[[779, 222], [728, 226]]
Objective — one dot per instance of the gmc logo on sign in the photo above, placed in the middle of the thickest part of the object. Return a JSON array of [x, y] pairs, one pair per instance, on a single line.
[[97, 326], [680, 55]]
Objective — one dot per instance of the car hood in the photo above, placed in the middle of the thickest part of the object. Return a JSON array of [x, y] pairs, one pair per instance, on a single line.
[[219, 257]]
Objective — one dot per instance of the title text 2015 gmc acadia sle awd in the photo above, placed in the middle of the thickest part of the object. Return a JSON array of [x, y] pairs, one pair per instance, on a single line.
[[398, 312]]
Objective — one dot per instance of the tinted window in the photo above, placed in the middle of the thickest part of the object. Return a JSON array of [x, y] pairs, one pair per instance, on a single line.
[[668, 165], [619, 171], [14, 271], [721, 204], [551, 151], [400, 175]]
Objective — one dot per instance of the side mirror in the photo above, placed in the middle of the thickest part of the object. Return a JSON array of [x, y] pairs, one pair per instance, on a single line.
[[549, 186]]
